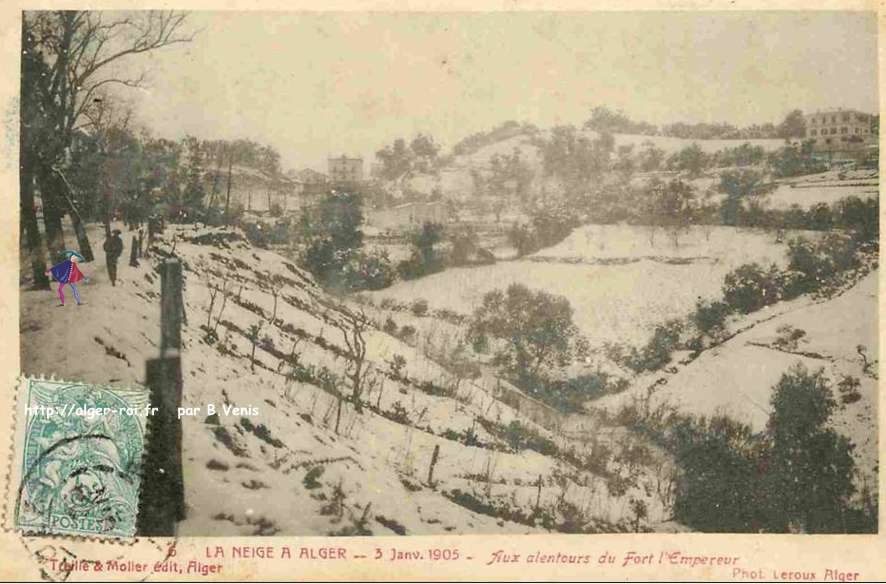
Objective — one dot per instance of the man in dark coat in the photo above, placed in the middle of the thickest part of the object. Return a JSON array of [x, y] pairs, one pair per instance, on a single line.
[[113, 250]]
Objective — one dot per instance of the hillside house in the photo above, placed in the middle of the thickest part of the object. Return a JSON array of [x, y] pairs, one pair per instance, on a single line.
[[345, 171], [314, 184], [841, 134]]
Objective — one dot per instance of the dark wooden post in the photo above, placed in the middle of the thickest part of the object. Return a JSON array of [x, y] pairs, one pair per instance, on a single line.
[[133, 253], [162, 500], [538, 497], [170, 307], [434, 458]]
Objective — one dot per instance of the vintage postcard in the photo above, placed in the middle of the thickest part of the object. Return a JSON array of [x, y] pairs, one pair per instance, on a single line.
[[538, 291]]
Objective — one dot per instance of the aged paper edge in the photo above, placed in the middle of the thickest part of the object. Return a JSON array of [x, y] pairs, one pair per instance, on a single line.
[[21, 560]]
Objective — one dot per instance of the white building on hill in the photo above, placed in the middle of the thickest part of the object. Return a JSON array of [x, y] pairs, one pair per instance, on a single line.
[[840, 133]]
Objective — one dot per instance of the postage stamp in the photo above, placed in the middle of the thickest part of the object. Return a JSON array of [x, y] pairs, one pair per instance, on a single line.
[[77, 459]]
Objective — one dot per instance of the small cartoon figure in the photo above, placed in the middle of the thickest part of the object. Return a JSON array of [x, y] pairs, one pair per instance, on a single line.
[[67, 272]]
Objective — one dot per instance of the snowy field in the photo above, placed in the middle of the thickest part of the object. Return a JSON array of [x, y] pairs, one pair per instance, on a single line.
[[618, 284]]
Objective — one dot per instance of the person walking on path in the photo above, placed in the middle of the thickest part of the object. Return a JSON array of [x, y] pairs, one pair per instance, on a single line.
[[113, 250], [67, 272]]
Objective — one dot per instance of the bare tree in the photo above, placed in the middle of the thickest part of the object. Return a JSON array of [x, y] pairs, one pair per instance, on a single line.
[[353, 331], [252, 335], [66, 61], [103, 117], [225, 293], [213, 292], [276, 288], [671, 206]]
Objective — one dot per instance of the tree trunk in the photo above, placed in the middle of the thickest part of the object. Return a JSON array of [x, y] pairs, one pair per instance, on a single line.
[[357, 386], [52, 214], [338, 412], [228, 196], [82, 238], [107, 215], [29, 221]]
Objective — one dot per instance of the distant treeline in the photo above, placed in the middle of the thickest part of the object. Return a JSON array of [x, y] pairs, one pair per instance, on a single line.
[[604, 119], [509, 129]]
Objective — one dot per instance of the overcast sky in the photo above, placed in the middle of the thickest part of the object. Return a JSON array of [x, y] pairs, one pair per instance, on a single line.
[[315, 84]]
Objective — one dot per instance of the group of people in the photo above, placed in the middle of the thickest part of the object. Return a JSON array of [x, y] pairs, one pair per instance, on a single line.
[[67, 273]]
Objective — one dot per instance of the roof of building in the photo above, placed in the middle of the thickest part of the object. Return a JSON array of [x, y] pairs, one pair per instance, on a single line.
[[310, 175], [837, 111]]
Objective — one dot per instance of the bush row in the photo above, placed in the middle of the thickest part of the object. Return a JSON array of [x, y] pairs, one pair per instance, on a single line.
[[814, 267], [861, 217]]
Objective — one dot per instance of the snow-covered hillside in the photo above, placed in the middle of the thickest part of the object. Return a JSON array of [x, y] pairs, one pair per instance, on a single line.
[[735, 378], [454, 179], [286, 469]]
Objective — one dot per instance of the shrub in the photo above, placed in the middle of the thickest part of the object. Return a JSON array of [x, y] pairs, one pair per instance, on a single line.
[[369, 271], [861, 217], [819, 264], [657, 352], [848, 387], [570, 395], [520, 437], [710, 316], [749, 287], [841, 250], [469, 437], [257, 234], [397, 364], [552, 225], [311, 477], [788, 337], [334, 238], [717, 485], [796, 476], [820, 217], [523, 239], [463, 244], [425, 258], [411, 268], [407, 332], [398, 414], [809, 476], [804, 258], [419, 307], [390, 326], [536, 329]]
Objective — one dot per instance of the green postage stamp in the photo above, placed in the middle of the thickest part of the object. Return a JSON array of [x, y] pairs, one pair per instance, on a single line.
[[77, 455]]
